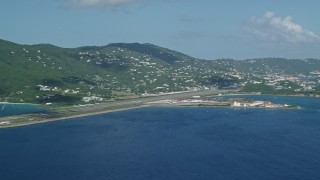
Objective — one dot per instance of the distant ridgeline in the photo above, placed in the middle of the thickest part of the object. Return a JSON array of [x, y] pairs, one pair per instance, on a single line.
[[45, 73]]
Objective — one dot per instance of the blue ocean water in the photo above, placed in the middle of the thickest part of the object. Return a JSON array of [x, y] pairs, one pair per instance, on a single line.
[[168, 143], [8, 109]]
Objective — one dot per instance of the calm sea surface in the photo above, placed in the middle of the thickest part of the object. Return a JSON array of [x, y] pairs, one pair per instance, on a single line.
[[8, 109], [170, 143]]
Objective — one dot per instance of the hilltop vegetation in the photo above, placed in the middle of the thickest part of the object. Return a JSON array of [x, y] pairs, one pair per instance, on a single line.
[[46, 73]]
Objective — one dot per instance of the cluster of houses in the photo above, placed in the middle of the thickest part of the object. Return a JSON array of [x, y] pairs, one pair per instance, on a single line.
[[92, 98], [145, 72]]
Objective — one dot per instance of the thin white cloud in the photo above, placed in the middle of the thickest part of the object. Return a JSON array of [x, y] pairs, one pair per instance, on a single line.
[[109, 3], [189, 35], [95, 3], [270, 27]]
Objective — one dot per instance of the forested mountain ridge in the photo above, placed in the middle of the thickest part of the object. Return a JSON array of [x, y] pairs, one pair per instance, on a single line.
[[47, 73]]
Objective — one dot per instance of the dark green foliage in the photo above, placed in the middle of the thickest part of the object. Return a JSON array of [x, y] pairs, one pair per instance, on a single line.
[[265, 89], [3, 92], [222, 82], [259, 88], [317, 90], [57, 98], [290, 84], [150, 50], [114, 67], [126, 68], [51, 82], [78, 80], [288, 66]]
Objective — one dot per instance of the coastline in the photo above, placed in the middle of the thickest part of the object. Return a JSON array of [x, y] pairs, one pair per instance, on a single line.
[[83, 111], [9, 103], [31, 122], [71, 117], [288, 95]]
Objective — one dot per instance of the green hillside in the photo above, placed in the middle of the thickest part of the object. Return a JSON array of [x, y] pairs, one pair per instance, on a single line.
[[46, 73]]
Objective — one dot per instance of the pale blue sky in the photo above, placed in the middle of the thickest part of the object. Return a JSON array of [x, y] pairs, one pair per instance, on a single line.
[[209, 29]]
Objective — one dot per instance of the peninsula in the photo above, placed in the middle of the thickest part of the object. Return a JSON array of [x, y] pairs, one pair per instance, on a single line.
[[198, 101], [69, 112], [183, 99]]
